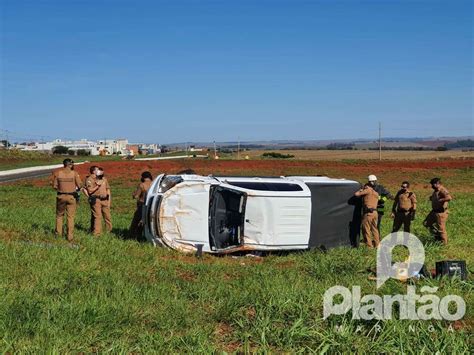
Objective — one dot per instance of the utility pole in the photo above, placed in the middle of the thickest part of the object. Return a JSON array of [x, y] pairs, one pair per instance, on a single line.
[[380, 140], [238, 149], [215, 150]]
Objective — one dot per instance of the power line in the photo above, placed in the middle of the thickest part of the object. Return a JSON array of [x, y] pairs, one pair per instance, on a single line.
[[29, 136]]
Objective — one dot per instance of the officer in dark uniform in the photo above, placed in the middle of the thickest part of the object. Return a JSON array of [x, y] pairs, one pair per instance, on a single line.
[[404, 208], [136, 227]]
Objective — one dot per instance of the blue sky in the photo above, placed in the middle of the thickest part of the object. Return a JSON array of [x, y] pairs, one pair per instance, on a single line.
[[176, 71]]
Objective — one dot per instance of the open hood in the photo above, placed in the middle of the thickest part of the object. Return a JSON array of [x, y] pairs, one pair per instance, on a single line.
[[183, 216]]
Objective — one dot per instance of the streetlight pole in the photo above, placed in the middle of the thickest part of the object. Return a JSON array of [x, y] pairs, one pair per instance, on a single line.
[[380, 141]]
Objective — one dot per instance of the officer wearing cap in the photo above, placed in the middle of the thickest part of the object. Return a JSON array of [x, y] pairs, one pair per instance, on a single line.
[[88, 185], [384, 195], [67, 183], [404, 208], [100, 199], [369, 217], [437, 218], [136, 227]]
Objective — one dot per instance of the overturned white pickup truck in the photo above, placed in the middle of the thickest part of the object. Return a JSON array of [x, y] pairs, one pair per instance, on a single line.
[[230, 214]]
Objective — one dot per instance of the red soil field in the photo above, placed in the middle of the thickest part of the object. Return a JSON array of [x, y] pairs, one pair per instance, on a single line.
[[127, 173], [272, 166]]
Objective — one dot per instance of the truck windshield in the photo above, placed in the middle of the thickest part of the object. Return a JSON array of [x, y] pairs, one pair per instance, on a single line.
[[226, 217]]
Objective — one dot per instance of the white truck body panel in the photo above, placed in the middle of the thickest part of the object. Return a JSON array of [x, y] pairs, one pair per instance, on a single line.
[[273, 218], [277, 221]]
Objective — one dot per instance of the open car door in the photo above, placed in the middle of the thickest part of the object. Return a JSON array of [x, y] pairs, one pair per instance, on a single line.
[[226, 218]]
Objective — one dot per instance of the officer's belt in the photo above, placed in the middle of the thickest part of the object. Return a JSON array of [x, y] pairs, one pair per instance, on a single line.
[[369, 210], [66, 193], [403, 210], [102, 198]]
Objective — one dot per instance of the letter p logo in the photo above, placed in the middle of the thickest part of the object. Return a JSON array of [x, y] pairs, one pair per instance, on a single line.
[[399, 271]]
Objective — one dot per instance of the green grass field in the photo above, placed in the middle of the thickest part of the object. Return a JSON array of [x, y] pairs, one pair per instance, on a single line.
[[109, 294]]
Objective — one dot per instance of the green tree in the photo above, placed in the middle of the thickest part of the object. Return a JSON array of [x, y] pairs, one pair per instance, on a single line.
[[60, 149]]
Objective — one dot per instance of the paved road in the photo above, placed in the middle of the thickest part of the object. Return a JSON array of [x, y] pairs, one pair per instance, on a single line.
[[25, 175], [28, 173]]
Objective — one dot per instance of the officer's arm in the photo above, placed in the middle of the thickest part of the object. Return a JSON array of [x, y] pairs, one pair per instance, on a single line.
[[413, 201], [395, 204], [361, 192], [91, 188], [107, 188], [84, 190], [446, 197], [54, 181], [137, 192], [386, 193], [78, 181]]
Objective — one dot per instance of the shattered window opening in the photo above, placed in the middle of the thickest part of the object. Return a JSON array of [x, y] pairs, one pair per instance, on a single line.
[[227, 211], [265, 186]]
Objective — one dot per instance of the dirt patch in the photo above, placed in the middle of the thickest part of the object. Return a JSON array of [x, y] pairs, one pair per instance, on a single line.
[[9, 235], [186, 275], [250, 313], [227, 277], [223, 334], [223, 330]]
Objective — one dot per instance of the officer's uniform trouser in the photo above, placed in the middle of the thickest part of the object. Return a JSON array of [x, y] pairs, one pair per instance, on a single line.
[[136, 229], [92, 218], [65, 203], [402, 219], [436, 222], [369, 229], [379, 220], [101, 209]]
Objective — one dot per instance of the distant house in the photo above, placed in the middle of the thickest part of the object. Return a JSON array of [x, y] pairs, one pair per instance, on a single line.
[[133, 148], [193, 148], [121, 146], [149, 148]]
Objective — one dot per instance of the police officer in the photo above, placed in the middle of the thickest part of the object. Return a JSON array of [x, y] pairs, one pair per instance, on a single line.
[[67, 183], [136, 227], [384, 195], [437, 218], [89, 183], [370, 215], [404, 208], [100, 199]]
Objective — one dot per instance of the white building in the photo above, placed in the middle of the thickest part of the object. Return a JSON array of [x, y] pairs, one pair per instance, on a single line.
[[101, 147], [121, 146], [151, 148], [83, 144], [112, 146]]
